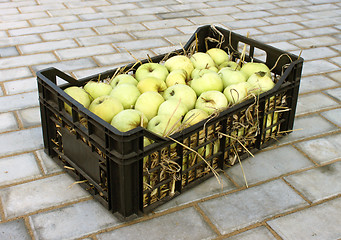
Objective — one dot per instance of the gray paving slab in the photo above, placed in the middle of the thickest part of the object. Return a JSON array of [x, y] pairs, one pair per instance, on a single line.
[[269, 164], [321, 222], [259, 233], [73, 221], [207, 188], [313, 102], [15, 229], [32, 196], [315, 83], [322, 150], [184, 224], [241, 209], [48, 165], [8, 122], [30, 117], [319, 183], [333, 116]]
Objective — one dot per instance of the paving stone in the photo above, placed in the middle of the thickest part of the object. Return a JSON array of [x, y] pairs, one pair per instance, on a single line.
[[306, 127], [120, 58], [256, 6], [8, 52], [316, 53], [94, 3], [322, 150], [223, 3], [314, 102], [34, 30], [148, 4], [335, 76], [94, 71], [19, 61], [15, 73], [281, 27], [219, 10], [314, 41], [23, 16], [319, 183], [276, 37], [69, 65], [166, 23], [333, 116], [188, 6], [208, 188], [132, 27], [20, 141], [74, 53], [47, 46], [156, 33], [251, 14], [19, 101], [291, 4], [179, 40], [185, 224], [146, 11], [284, 19], [12, 41], [30, 117], [15, 229], [180, 14], [41, 7], [335, 93], [7, 122], [318, 67], [20, 86], [72, 221], [18, 168], [336, 60], [321, 22], [246, 23], [53, 20], [141, 44], [71, 11], [86, 24], [114, 6], [245, 31], [49, 166], [316, 32], [134, 19], [261, 233], [42, 194], [269, 164], [315, 83], [101, 15], [321, 222], [241, 209], [322, 14], [96, 40], [68, 34]]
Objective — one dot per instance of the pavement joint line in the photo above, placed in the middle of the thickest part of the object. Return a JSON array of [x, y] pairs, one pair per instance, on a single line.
[[297, 191], [330, 120], [306, 155], [206, 219], [29, 227], [2, 212], [273, 232], [40, 164]]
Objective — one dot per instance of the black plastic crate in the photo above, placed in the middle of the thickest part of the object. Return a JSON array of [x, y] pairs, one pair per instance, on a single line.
[[130, 179]]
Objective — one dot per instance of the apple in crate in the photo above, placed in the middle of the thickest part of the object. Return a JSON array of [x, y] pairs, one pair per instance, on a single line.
[[207, 82], [181, 92], [236, 93], [129, 119], [80, 95], [229, 64], [173, 107], [230, 76], [123, 78], [155, 70], [164, 124], [177, 76], [148, 103], [218, 55], [252, 67], [106, 107], [151, 84], [97, 89], [127, 94], [260, 82], [179, 62], [196, 73], [211, 101], [202, 60], [194, 116]]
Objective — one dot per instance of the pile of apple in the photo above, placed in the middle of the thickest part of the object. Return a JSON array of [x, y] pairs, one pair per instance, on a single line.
[[166, 97]]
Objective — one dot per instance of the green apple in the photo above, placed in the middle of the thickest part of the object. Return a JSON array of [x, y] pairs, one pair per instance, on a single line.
[[218, 55], [123, 78], [252, 67], [148, 103], [194, 116], [164, 124], [230, 76], [80, 95], [179, 62], [127, 94], [152, 84], [271, 119], [260, 82], [97, 89], [106, 107], [183, 92], [236, 93], [155, 70], [202, 60], [229, 64], [211, 101], [173, 107], [207, 82], [129, 119], [177, 76], [196, 73]]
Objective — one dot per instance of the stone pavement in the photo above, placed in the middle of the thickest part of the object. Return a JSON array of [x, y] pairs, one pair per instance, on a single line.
[[294, 187]]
